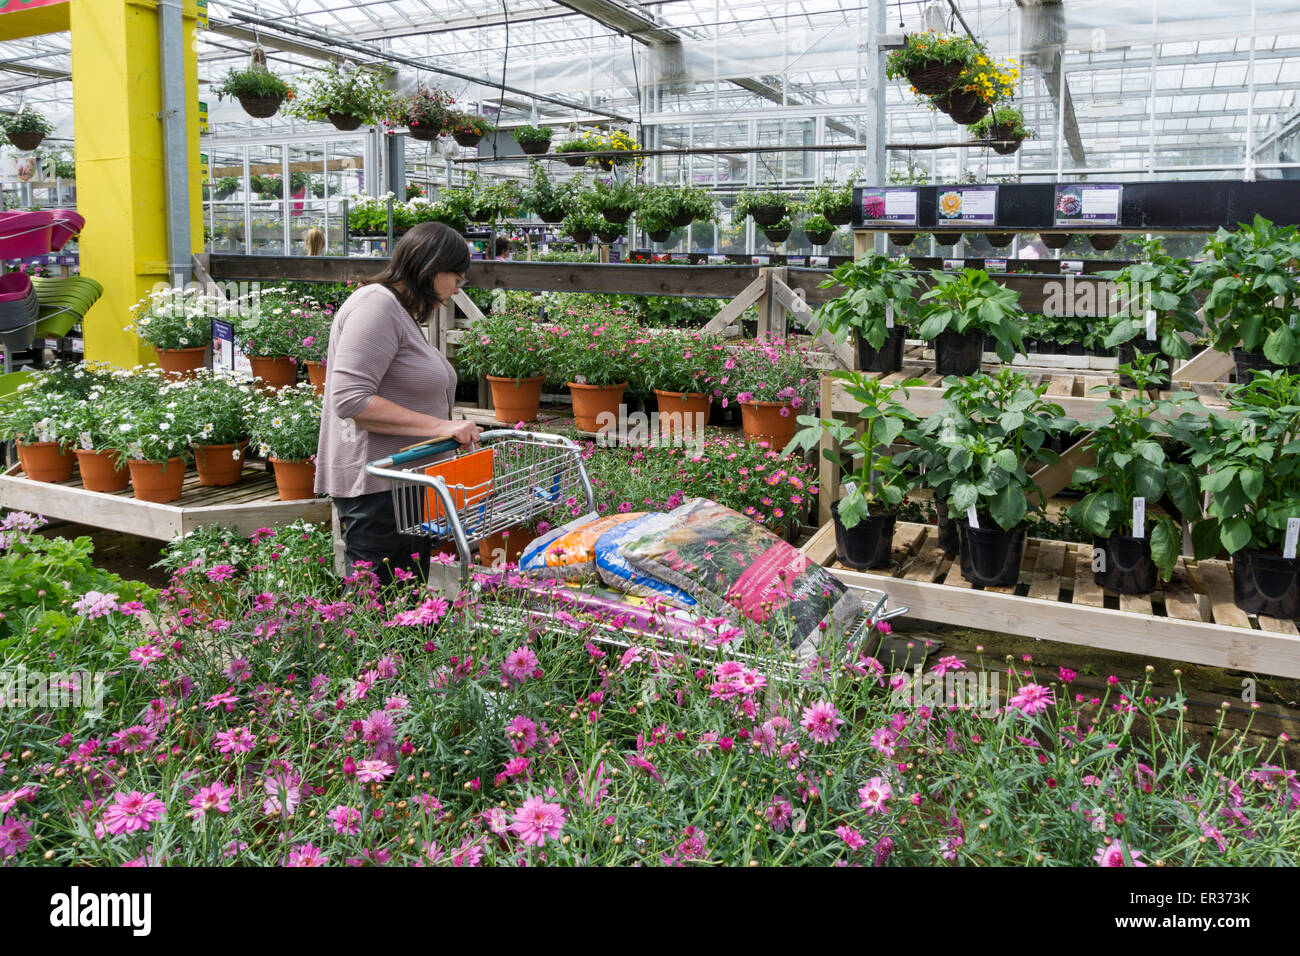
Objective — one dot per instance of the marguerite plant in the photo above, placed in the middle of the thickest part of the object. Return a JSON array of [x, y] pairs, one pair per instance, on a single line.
[[175, 318], [286, 424], [216, 408]]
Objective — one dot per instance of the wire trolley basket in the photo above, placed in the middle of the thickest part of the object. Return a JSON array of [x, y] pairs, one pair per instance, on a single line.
[[513, 477]]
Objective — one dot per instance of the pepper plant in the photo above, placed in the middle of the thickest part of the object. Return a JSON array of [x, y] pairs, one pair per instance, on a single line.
[[875, 283], [1156, 284], [969, 302], [1133, 462]]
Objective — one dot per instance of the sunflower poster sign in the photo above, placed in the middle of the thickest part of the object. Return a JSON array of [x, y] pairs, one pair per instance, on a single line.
[[966, 206]]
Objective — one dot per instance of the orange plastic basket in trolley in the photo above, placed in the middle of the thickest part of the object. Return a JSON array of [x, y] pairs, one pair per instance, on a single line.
[[468, 479]]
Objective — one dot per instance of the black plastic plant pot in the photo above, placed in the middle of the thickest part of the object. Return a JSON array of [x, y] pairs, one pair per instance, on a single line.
[[1248, 362], [660, 235], [999, 240], [991, 557], [1074, 348], [776, 235], [344, 121], [957, 354], [949, 538], [535, 148], [1056, 240], [902, 238], [1125, 566], [1266, 584], [682, 219], [615, 215], [1046, 348], [767, 215], [868, 544], [820, 238], [466, 139], [947, 238], [888, 359], [1104, 241], [1125, 354], [839, 217]]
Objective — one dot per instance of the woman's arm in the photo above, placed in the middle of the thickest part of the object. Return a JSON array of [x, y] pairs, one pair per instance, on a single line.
[[384, 417]]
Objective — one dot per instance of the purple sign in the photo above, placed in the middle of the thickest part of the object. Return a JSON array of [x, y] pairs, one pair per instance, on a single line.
[[1088, 203], [967, 206], [889, 206]]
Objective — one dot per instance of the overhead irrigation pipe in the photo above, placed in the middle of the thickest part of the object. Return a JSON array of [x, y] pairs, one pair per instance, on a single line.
[[378, 54]]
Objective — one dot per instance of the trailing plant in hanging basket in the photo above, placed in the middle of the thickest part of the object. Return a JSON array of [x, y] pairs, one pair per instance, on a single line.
[[931, 62], [767, 208], [832, 200], [999, 240], [609, 234], [1104, 241], [345, 98], [902, 239], [27, 128], [574, 151], [424, 112], [818, 229], [468, 128], [1005, 126], [259, 91], [780, 231], [581, 223], [533, 140], [1056, 240], [617, 201]]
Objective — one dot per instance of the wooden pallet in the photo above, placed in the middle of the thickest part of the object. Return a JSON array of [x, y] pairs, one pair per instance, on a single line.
[[1192, 619], [253, 503]]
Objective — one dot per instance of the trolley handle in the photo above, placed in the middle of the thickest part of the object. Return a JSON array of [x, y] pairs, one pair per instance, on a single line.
[[422, 450]]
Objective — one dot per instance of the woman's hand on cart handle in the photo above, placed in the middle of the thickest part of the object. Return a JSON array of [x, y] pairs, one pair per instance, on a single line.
[[465, 432]]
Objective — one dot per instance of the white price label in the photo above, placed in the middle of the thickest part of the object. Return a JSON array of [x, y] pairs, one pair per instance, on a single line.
[[1292, 537], [1151, 325], [889, 315], [1139, 517], [972, 517], [850, 489]]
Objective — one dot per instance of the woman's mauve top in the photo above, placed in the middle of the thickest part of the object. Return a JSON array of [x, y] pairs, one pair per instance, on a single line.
[[375, 348]]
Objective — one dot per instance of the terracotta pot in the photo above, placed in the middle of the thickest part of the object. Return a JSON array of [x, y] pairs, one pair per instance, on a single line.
[[504, 546], [156, 480], [295, 479], [181, 363], [316, 375], [45, 461], [591, 401], [274, 371], [680, 411], [218, 465], [100, 471], [763, 421], [516, 403]]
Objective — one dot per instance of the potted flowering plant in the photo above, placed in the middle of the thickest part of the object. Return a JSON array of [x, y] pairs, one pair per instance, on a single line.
[[94, 426], [574, 150], [270, 327], [40, 420], [425, 112], [866, 516], [312, 348], [27, 128], [286, 426], [1253, 475], [151, 436], [1005, 126], [1156, 310], [618, 142], [533, 140], [510, 349], [983, 83], [590, 352], [960, 311], [876, 308], [345, 98], [215, 408], [682, 368], [178, 324], [1252, 287], [932, 62], [259, 91], [772, 383], [468, 128], [766, 207]]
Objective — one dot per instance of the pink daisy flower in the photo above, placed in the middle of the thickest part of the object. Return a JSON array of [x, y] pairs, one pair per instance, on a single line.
[[522, 733], [346, 820], [307, 854], [372, 771], [851, 837], [821, 722], [874, 795], [215, 796], [14, 835], [238, 740], [538, 821], [519, 664], [131, 812], [1032, 699], [779, 813], [1115, 855]]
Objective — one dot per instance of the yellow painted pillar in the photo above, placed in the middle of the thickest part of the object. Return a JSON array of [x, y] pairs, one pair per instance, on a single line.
[[117, 99]]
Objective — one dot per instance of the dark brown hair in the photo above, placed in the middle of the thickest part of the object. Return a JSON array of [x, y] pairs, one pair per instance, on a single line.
[[427, 249]]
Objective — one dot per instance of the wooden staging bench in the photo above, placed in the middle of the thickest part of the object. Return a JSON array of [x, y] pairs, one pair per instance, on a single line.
[[1193, 619], [253, 503]]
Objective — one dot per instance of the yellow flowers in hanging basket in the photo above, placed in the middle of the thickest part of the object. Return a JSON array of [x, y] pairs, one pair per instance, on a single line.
[[993, 80]]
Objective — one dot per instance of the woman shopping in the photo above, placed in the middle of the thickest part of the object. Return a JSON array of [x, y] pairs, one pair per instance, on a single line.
[[386, 387]]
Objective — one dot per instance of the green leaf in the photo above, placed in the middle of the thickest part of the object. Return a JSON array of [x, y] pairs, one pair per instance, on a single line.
[[1009, 506], [1149, 480], [1181, 487], [1097, 511], [1166, 541], [1205, 539], [1235, 534], [1280, 346], [964, 494]]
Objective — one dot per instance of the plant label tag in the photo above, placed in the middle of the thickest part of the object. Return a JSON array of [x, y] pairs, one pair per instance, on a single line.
[[850, 489], [1151, 325], [972, 517], [580, 379], [1139, 517], [889, 315], [1292, 537]]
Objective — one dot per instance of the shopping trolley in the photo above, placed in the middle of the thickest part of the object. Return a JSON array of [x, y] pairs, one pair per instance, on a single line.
[[528, 475]]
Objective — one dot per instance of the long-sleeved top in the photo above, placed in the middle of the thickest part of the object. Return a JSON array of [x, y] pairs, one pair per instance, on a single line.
[[376, 348]]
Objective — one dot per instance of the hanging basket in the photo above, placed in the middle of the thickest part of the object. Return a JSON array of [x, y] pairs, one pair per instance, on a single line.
[[947, 238], [660, 235], [820, 238], [552, 215], [423, 133], [902, 238], [534, 148], [1005, 142], [1104, 241], [580, 235], [1056, 240], [999, 240], [768, 215], [933, 77], [616, 216], [839, 217], [682, 219], [963, 108], [776, 235], [344, 121], [26, 141], [575, 159], [260, 107], [609, 235], [466, 138]]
